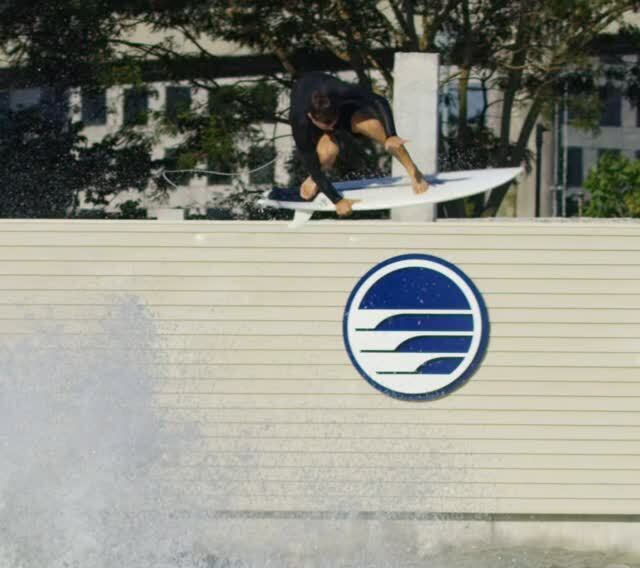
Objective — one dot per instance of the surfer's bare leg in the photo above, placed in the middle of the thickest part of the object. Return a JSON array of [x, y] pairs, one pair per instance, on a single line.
[[365, 124], [327, 150]]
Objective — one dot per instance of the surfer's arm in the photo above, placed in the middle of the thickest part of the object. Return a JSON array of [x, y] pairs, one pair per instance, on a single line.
[[379, 104]]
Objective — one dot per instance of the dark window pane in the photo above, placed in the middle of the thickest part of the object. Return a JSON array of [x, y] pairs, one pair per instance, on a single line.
[[178, 101], [258, 156], [94, 107], [54, 105], [171, 163], [574, 167], [637, 154], [475, 104], [266, 100], [136, 106], [611, 106], [216, 179], [4, 109]]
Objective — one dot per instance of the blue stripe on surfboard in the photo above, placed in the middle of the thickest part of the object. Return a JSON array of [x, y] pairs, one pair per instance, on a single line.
[[292, 194]]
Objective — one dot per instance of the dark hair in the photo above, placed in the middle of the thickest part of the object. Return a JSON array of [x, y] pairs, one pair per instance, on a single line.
[[322, 108]]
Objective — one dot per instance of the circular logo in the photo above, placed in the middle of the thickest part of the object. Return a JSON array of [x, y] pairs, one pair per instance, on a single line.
[[416, 327]]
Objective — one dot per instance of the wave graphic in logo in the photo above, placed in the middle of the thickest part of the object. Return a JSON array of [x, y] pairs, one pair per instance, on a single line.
[[416, 327]]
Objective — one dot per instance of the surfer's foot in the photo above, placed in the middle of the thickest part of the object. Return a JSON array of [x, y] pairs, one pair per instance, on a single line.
[[419, 184], [308, 189]]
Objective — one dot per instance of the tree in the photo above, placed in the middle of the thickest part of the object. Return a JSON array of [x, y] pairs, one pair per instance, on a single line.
[[45, 162], [43, 169], [522, 50], [614, 186]]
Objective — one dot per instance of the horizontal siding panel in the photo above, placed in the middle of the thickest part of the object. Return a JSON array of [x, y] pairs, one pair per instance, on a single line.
[[377, 459], [333, 343], [330, 348], [83, 312], [343, 285], [324, 358], [414, 446], [486, 373], [347, 505], [381, 241], [382, 490], [374, 401], [423, 432], [373, 475], [427, 414], [352, 270], [301, 255], [503, 226], [354, 385], [323, 299], [318, 329], [434, 505]]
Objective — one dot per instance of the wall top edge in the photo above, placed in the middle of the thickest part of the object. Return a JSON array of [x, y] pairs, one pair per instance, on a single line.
[[609, 222]]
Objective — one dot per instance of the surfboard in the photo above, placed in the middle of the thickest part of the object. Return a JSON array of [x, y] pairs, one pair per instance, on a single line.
[[390, 192]]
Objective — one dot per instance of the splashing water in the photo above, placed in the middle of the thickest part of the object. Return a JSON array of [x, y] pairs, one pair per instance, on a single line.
[[80, 438]]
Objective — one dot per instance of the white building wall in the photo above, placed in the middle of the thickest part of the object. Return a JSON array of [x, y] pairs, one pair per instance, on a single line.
[[250, 346]]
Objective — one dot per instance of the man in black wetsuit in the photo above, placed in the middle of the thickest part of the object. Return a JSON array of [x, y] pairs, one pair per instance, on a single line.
[[322, 104]]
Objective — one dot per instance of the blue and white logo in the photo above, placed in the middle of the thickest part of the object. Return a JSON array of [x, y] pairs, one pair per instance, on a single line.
[[416, 327]]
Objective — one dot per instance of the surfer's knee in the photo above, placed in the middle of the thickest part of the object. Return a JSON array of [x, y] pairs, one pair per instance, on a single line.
[[308, 189], [327, 150]]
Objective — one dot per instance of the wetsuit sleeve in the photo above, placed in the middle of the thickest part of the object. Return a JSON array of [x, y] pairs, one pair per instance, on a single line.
[[310, 159], [302, 131], [378, 103]]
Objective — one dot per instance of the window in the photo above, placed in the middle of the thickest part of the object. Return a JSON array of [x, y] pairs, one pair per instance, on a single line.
[[171, 163], [54, 105], [637, 154], [136, 107], [475, 104], [94, 107], [574, 167], [266, 100], [611, 99], [5, 107], [178, 101], [218, 166], [259, 156]]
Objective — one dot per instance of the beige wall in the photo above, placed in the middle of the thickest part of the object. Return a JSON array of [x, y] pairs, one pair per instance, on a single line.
[[250, 344]]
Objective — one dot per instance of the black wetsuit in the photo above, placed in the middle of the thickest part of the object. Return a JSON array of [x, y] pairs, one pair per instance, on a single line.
[[347, 98]]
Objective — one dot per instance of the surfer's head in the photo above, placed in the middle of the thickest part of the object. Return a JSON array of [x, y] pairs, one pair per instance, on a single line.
[[323, 113]]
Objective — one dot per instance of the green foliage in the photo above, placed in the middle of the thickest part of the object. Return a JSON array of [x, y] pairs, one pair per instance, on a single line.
[[614, 186], [525, 50], [67, 42], [521, 49], [45, 164], [131, 209]]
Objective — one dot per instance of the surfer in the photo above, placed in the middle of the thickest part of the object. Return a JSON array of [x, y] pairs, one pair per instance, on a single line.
[[321, 105]]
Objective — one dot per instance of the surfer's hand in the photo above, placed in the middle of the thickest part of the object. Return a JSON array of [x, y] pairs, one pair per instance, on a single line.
[[419, 184], [343, 207], [394, 143]]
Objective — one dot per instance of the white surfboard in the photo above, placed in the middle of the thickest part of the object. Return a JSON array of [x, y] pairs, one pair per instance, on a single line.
[[390, 192]]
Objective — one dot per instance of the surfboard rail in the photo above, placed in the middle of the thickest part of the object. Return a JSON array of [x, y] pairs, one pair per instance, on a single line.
[[391, 192]]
